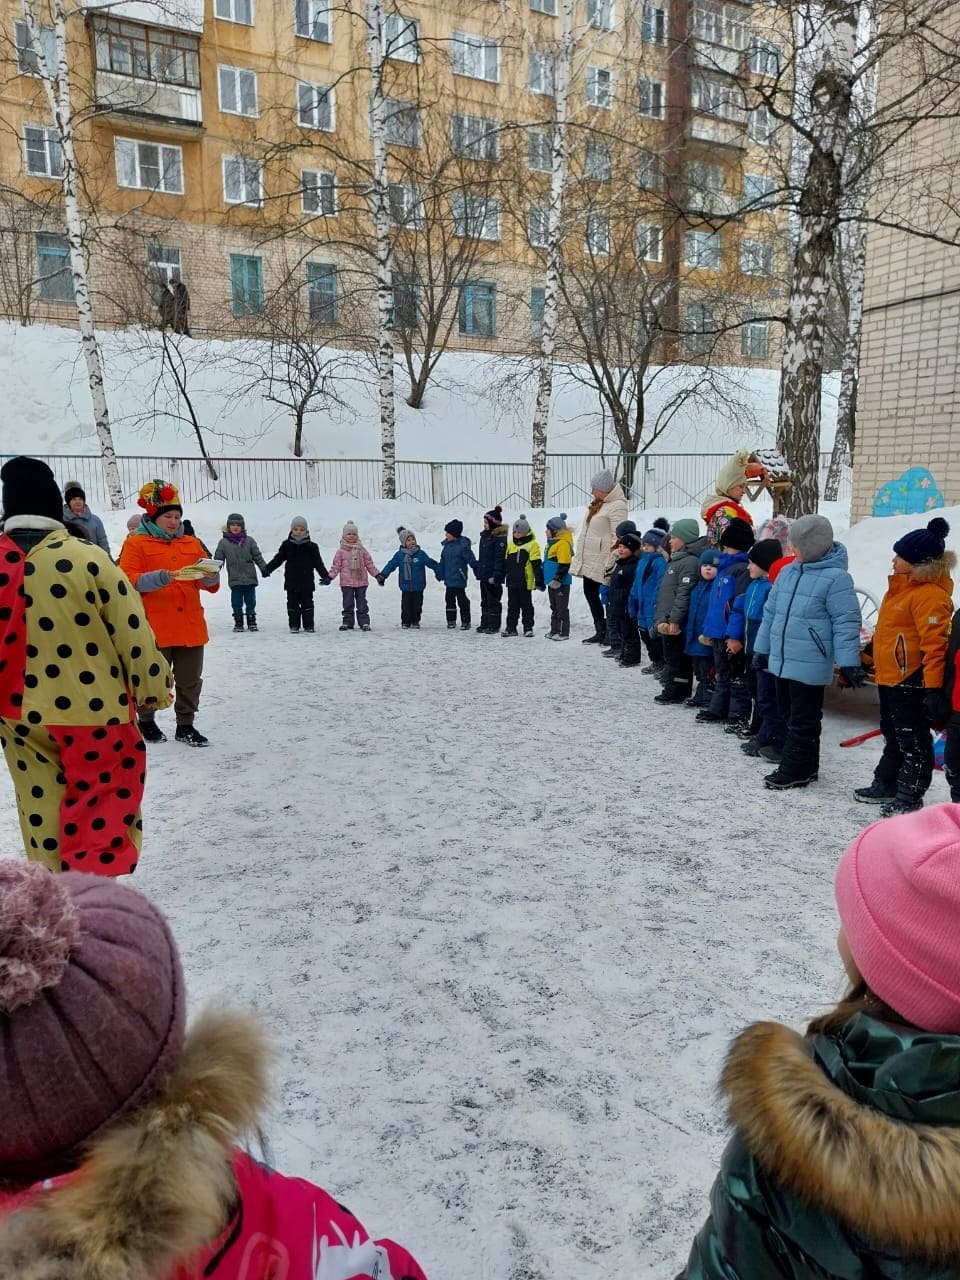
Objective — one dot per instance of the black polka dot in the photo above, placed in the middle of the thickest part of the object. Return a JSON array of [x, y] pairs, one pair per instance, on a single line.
[[45, 624], [37, 793], [34, 717], [123, 699], [121, 588], [133, 621], [63, 566], [64, 651], [80, 855], [91, 649], [111, 629], [62, 702], [95, 704], [22, 766], [104, 595], [115, 672], [32, 651], [50, 844], [107, 858], [83, 785], [135, 680], [136, 651], [70, 828], [16, 699], [128, 762], [143, 778], [118, 745], [81, 619], [99, 734], [139, 822], [29, 568], [113, 720], [90, 597], [93, 568], [4, 579], [58, 591], [35, 820], [12, 638], [41, 758], [64, 866], [128, 818], [68, 739], [153, 669], [6, 613], [61, 779], [87, 677], [93, 801], [116, 842], [104, 778], [124, 793], [13, 557], [141, 746], [21, 730], [28, 601], [33, 843], [30, 680], [91, 755], [51, 670], [70, 802]]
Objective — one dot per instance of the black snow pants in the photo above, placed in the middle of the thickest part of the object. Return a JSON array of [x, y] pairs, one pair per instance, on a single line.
[[731, 694], [906, 767], [801, 706], [454, 598], [300, 610], [491, 605]]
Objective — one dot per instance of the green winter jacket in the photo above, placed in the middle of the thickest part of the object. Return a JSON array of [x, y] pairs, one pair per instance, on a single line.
[[845, 1162]]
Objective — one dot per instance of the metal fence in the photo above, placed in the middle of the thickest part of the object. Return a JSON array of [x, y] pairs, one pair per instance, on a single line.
[[659, 479]]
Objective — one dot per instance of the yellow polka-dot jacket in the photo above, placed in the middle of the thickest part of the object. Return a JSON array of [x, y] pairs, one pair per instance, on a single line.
[[75, 645]]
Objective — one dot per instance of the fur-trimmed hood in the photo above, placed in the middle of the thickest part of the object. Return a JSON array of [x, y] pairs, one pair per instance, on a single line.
[[160, 1185], [883, 1159]]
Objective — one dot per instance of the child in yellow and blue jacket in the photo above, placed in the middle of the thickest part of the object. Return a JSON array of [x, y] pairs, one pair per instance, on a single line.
[[524, 571], [557, 576]]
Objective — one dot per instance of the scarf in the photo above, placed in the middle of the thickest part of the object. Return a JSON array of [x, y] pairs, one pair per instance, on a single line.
[[301, 540], [356, 556], [408, 558], [155, 531], [238, 538]]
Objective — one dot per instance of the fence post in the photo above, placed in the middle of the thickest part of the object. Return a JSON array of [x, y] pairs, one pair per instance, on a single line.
[[647, 473], [436, 484], [548, 486], [313, 478]]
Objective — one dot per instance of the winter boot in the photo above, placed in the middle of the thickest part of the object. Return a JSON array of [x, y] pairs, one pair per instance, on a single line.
[[150, 731], [706, 716], [875, 794], [897, 807], [252, 622], [191, 736], [346, 626], [771, 752], [667, 696], [238, 622], [509, 631], [651, 669], [364, 626], [465, 626], [528, 632], [737, 727], [780, 781], [750, 748], [597, 638]]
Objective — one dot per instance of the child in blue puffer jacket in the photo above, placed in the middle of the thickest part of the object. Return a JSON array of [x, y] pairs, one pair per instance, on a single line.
[[456, 557], [696, 648], [642, 604], [731, 697], [413, 562], [766, 729]]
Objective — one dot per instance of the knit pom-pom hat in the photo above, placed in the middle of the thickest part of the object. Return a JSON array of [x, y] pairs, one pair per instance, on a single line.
[[521, 527], [556, 523], [923, 545], [158, 497], [494, 515]]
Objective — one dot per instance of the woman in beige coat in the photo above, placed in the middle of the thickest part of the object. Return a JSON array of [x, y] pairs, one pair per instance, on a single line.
[[595, 545]]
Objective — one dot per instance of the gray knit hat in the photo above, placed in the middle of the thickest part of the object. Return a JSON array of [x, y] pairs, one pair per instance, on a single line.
[[521, 526], [236, 518], [603, 480], [685, 530], [350, 527], [556, 523], [299, 520], [404, 533], [812, 536]]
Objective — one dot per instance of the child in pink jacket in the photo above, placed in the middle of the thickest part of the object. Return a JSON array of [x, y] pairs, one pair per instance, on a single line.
[[353, 563], [126, 1160]]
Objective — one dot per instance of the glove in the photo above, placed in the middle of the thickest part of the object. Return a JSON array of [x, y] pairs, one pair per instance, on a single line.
[[936, 707], [761, 661], [555, 584], [325, 582], [263, 575], [380, 579], [852, 677], [541, 587]]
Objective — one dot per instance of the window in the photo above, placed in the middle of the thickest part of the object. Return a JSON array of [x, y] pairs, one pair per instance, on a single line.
[[715, 97], [649, 170], [406, 301], [401, 38], [246, 285], [538, 298], [401, 123], [476, 216], [600, 14], [235, 11], [649, 242], [756, 188], [318, 192], [242, 181], [544, 6], [723, 24], [654, 24], [540, 150], [651, 97], [598, 234], [163, 264], [702, 249], [315, 106], [406, 206], [42, 155], [699, 329], [761, 126], [755, 338], [764, 58], [322, 292], [28, 63], [476, 57], [600, 87], [543, 73], [238, 91], [756, 257], [312, 19], [538, 226], [147, 53], [701, 176], [597, 163], [149, 166], [54, 277], [478, 309], [476, 137]]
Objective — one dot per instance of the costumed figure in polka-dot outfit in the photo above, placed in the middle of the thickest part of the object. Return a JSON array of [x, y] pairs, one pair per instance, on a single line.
[[122, 1143], [159, 559], [75, 650]]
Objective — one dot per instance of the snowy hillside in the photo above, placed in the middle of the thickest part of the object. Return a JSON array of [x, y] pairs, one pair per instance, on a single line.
[[474, 412]]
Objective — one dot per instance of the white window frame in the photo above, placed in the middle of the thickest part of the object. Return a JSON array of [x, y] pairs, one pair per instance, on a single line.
[[63, 274], [549, 7], [726, 25], [401, 37], [597, 160], [655, 24], [409, 200], [312, 20], [476, 217], [474, 56], [597, 237], [49, 140], [539, 140], [322, 299], [247, 169], [231, 90], [324, 96], [766, 57], [650, 170], [538, 226], [408, 114], [542, 73], [601, 14], [699, 340], [761, 126], [715, 96], [766, 187], [600, 87], [702, 250], [120, 146], [649, 242], [651, 98], [755, 338], [476, 137], [28, 62], [702, 176], [161, 270], [318, 192], [757, 258], [226, 11]]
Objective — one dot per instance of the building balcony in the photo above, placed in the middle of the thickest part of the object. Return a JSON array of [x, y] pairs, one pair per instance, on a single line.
[[717, 132], [712, 204], [150, 73], [716, 57]]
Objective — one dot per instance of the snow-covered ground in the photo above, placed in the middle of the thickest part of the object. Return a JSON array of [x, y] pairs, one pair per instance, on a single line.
[[501, 911]]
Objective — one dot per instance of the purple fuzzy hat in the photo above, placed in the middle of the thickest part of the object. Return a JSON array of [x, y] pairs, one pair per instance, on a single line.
[[92, 1011]]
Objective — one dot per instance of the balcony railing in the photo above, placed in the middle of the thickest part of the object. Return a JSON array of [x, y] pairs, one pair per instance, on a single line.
[[148, 97]]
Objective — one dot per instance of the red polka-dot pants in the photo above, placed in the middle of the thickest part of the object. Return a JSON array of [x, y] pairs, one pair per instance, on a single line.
[[78, 794]]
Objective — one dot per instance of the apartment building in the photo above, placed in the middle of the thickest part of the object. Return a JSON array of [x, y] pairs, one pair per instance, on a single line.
[[232, 148]]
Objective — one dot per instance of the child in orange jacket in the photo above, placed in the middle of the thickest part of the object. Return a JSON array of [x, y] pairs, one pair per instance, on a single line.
[[909, 656]]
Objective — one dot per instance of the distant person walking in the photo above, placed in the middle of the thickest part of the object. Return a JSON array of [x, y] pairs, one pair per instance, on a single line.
[[76, 511], [174, 306], [594, 546]]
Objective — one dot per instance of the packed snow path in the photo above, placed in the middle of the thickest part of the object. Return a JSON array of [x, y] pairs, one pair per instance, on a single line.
[[502, 914]]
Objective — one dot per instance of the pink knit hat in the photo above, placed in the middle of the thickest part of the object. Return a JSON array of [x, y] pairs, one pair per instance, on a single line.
[[92, 1010], [898, 894]]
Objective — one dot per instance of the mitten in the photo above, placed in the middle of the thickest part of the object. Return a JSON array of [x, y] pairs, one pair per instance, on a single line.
[[555, 584], [380, 579], [761, 661], [936, 707], [852, 677]]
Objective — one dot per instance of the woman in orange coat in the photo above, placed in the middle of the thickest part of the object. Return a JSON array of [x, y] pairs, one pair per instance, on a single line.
[[909, 655], [153, 558]]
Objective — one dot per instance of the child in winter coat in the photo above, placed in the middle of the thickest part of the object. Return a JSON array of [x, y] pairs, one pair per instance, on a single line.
[[628, 550], [524, 571], [612, 637], [765, 727], [491, 566], [909, 658], [556, 574], [456, 557], [696, 646], [673, 600], [413, 563], [644, 593], [241, 557], [301, 559], [731, 697], [144, 1174], [811, 623], [844, 1157], [352, 562]]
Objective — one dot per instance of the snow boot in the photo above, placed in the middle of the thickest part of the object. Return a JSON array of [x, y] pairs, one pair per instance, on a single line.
[[238, 622], [896, 807], [150, 731], [597, 638], [191, 736], [294, 631], [750, 748], [465, 626], [364, 626], [557, 635], [613, 652], [770, 752], [652, 669], [345, 626], [706, 716], [874, 794], [667, 697], [451, 626], [528, 632], [509, 631], [779, 781], [252, 622], [737, 727]]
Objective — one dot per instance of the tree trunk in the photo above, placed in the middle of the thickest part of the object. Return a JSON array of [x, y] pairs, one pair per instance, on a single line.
[[854, 246], [56, 84], [380, 208], [180, 378], [418, 386], [801, 373], [551, 292], [298, 431]]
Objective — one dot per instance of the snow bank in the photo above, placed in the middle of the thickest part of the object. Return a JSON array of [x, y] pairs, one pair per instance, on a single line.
[[870, 544]]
